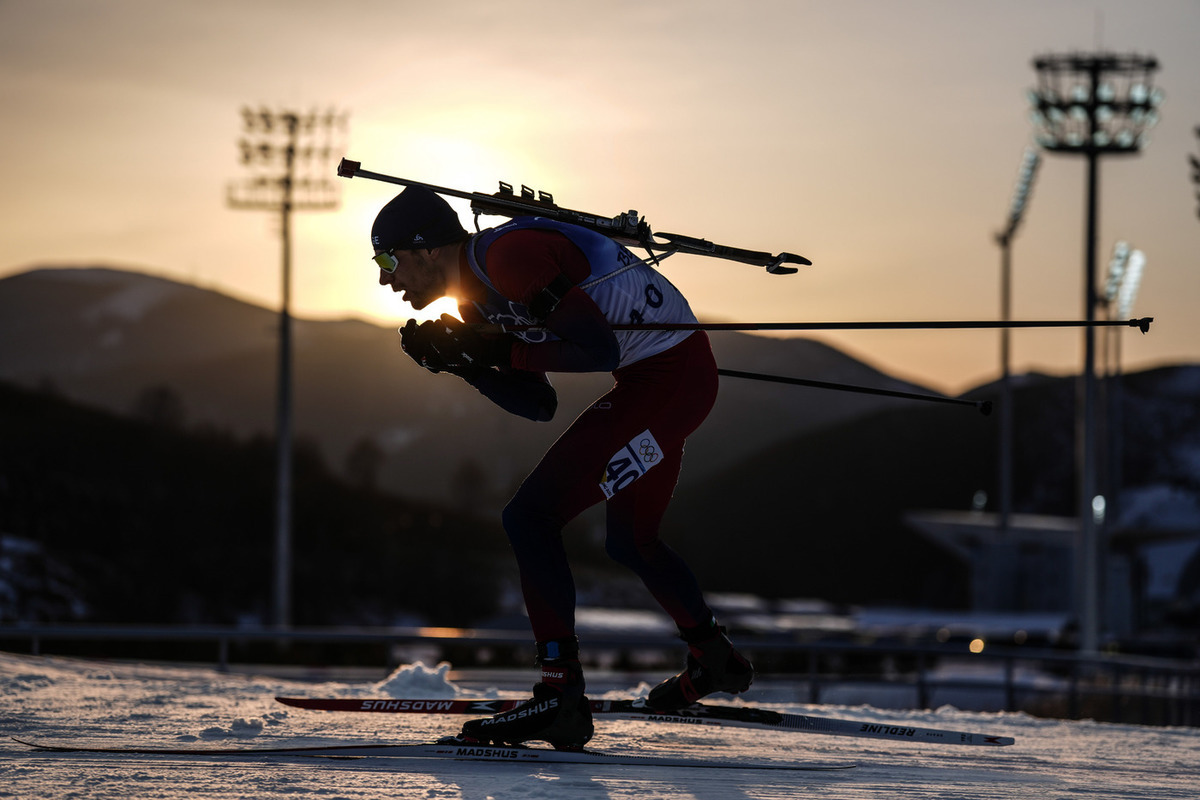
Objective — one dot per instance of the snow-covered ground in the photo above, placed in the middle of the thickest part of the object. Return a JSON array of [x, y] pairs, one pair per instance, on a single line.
[[62, 698]]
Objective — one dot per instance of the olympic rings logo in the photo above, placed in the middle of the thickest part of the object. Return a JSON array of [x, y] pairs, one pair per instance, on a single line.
[[648, 452]]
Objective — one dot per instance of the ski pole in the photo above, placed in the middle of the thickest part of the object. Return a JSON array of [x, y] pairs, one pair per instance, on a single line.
[[1143, 324], [984, 406]]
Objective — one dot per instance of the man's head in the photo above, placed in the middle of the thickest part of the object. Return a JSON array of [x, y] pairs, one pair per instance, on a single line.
[[411, 235], [416, 219]]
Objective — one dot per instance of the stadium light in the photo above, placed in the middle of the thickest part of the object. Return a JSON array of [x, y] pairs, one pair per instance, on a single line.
[[1092, 105], [283, 176]]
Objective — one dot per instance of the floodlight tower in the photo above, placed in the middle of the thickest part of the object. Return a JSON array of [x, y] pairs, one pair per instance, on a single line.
[[1016, 213], [1092, 105], [290, 156]]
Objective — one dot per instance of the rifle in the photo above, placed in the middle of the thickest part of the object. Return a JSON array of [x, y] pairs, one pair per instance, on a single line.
[[626, 228]]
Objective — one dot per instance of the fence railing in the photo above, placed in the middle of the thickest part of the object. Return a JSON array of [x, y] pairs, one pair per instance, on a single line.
[[1049, 683]]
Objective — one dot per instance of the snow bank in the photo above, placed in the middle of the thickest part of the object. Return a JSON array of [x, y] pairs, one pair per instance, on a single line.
[[418, 680]]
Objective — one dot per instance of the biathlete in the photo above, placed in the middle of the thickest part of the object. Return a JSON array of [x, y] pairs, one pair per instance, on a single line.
[[626, 449]]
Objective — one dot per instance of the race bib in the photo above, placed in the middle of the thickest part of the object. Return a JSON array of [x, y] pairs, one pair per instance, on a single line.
[[630, 463]]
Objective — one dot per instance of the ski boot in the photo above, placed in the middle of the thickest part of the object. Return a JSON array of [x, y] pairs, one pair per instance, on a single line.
[[713, 665], [559, 712]]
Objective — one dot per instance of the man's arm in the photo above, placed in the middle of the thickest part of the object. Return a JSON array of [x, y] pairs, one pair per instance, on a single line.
[[520, 392], [586, 342], [523, 265], [447, 345]]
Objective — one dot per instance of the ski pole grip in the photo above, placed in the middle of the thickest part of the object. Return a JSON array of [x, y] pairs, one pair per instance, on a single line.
[[348, 168]]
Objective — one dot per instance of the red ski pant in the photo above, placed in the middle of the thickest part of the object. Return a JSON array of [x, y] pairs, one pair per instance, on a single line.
[[667, 395]]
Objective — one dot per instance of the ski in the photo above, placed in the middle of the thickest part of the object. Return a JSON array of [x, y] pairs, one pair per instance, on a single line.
[[450, 748], [696, 714]]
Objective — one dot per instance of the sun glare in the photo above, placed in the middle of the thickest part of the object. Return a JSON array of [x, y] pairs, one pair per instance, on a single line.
[[380, 305], [441, 160], [446, 305]]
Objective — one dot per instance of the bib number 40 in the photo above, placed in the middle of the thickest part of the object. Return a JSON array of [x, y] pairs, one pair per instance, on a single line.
[[630, 463]]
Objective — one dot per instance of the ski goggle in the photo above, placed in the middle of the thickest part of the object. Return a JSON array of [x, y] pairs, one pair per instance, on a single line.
[[387, 261]]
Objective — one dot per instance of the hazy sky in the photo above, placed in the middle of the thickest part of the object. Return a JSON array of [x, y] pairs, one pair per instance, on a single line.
[[880, 138]]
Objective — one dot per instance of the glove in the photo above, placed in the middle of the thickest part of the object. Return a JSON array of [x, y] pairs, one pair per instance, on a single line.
[[461, 347], [415, 342], [450, 345]]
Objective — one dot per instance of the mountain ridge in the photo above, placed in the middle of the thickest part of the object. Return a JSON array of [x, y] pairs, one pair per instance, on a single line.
[[785, 492], [104, 335]]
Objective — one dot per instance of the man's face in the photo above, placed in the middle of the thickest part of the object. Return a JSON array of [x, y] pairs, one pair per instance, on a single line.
[[417, 275]]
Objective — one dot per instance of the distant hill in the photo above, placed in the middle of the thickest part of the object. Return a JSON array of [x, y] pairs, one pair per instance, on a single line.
[[787, 492], [112, 338], [109, 519]]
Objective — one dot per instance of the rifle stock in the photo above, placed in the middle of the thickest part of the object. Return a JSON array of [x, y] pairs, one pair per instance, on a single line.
[[627, 228]]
